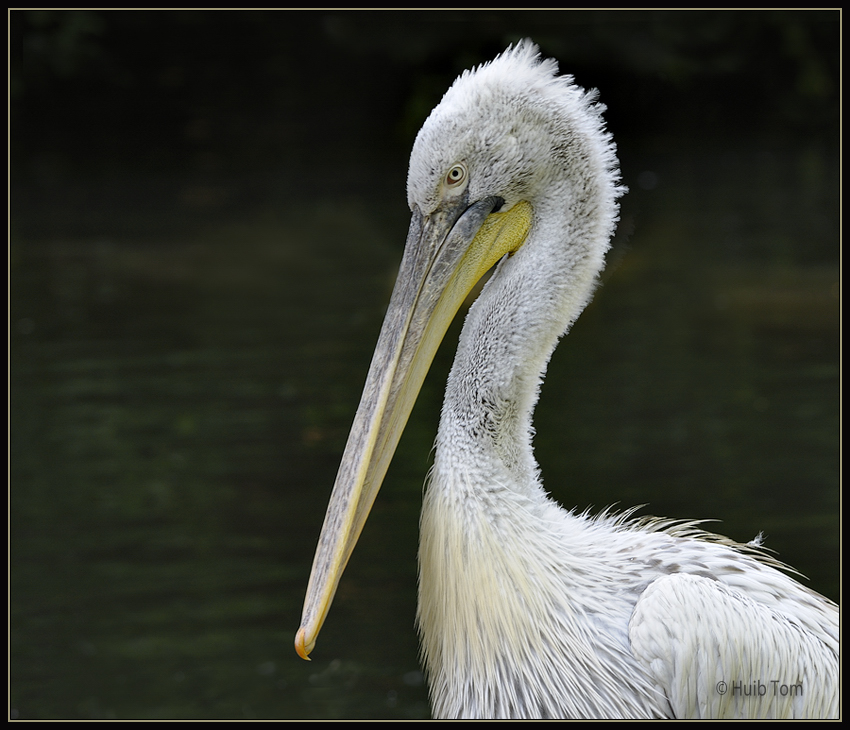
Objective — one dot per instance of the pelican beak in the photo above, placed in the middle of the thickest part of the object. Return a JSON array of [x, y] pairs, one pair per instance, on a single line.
[[446, 253]]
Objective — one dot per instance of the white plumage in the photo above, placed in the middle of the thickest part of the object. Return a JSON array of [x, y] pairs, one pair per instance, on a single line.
[[527, 610]]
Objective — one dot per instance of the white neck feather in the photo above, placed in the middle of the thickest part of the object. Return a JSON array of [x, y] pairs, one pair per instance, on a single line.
[[508, 338], [485, 510]]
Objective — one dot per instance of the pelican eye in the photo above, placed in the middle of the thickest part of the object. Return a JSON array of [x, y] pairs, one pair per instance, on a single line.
[[456, 176]]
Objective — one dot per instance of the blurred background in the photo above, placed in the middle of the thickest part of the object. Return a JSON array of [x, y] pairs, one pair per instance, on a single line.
[[207, 213]]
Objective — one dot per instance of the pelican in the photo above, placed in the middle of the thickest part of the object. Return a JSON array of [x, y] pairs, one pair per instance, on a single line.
[[527, 610]]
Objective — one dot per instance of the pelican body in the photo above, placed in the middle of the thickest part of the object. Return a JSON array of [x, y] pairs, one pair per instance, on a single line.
[[527, 610]]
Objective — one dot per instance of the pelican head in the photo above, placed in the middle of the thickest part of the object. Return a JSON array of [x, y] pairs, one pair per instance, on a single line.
[[502, 145]]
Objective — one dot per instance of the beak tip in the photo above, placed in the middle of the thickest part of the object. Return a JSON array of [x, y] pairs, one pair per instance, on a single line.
[[301, 647]]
